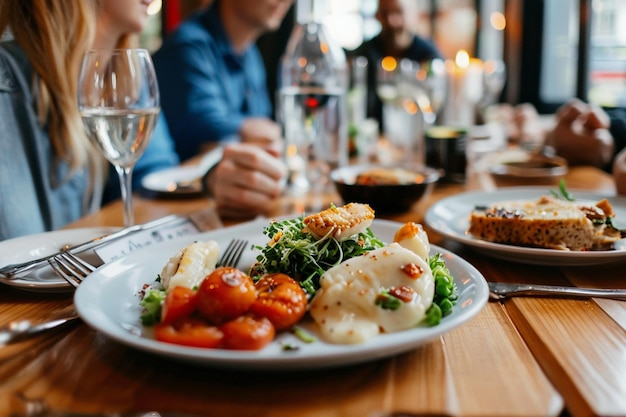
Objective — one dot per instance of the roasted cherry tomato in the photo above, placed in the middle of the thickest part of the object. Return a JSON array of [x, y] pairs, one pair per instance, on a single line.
[[247, 332], [224, 294], [179, 302], [281, 299], [189, 331]]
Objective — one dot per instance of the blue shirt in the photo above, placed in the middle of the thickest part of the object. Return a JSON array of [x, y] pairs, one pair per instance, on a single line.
[[207, 89], [36, 192]]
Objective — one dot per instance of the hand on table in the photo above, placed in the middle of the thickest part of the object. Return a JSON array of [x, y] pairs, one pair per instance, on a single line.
[[263, 132], [247, 179], [581, 134]]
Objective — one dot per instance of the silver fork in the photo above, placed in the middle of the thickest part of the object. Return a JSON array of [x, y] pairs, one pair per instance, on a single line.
[[233, 252], [71, 268]]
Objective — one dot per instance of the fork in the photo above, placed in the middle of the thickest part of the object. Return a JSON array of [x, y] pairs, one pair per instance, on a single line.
[[233, 253], [70, 267]]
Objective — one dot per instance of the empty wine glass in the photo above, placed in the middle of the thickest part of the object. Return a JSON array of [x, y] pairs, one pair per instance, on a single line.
[[432, 76], [494, 77], [402, 98], [118, 99]]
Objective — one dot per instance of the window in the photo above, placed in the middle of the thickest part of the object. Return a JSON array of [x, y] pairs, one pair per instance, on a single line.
[[569, 49]]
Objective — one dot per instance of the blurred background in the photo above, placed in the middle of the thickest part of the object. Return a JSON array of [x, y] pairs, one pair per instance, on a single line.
[[553, 49]]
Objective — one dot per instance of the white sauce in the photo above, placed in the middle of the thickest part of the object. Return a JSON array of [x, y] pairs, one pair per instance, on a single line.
[[345, 306]]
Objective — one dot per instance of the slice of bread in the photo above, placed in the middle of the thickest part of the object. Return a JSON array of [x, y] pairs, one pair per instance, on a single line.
[[547, 223]]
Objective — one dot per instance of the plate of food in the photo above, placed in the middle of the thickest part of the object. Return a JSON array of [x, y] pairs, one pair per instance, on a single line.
[[113, 300], [535, 225], [31, 247]]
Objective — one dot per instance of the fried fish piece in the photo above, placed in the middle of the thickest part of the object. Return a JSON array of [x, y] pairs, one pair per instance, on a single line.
[[340, 222], [190, 265]]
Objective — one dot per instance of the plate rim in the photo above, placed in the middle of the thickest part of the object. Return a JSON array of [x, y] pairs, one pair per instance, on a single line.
[[393, 343], [56, 284], [534, 256]]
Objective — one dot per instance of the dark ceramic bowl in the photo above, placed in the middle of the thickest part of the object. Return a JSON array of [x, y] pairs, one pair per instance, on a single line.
[[384, 198], [527, 168]]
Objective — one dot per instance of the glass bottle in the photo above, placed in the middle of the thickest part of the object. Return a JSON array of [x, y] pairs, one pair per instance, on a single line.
[[312, 97]]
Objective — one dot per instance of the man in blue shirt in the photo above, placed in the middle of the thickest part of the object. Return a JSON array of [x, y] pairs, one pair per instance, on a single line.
[[212, 79]]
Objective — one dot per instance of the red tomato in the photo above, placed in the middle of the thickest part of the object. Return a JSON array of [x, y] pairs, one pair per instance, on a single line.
[[224, 294], [189, 331], [247, 332], [179, 302], [281, 299]]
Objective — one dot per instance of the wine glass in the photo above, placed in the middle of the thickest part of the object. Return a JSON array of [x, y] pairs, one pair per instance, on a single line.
[[432, 76], [402, 98], [494, 77], [118, 99]]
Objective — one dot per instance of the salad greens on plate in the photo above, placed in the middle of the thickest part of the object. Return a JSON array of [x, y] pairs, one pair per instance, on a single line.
[[305, 258]]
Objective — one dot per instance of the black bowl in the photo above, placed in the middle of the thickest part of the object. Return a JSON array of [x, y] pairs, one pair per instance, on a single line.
[[383, 198]]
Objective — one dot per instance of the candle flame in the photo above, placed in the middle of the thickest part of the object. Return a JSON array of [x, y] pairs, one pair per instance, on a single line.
[[389, 63], [462, 59]]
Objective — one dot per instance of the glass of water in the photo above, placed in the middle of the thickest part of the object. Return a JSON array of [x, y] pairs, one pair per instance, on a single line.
[[118, 99]]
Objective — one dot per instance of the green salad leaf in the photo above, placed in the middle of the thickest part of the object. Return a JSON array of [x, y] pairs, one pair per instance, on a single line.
[[304, 258], [152, 303], [563, 192], [446, 291]]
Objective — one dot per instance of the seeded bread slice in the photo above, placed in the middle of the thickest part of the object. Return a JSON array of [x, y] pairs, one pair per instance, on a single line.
[[547, 223]]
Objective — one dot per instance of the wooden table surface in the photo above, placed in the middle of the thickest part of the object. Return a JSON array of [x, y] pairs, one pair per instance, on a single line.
[[524, 357]]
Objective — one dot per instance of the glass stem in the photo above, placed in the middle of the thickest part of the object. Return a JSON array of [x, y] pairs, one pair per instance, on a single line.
[[125, 175]]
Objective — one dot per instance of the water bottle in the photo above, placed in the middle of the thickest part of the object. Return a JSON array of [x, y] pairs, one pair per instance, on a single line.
[[312, 106]]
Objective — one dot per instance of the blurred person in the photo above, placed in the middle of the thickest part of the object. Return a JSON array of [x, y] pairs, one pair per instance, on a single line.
[[212, 78], [50, 174], [395, 39]]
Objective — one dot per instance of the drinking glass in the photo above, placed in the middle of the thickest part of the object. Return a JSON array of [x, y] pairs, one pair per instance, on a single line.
[[118, 99], [494, 77], [432, 77], [402, 98]]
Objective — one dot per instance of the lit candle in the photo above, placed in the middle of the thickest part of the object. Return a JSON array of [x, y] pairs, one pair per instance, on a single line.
[[465, 77]]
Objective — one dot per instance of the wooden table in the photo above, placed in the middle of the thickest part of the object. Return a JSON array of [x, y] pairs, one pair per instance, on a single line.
[[524, 357]]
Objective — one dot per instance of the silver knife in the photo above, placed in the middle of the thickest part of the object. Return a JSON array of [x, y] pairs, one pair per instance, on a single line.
[[501, 290], [20, 330]]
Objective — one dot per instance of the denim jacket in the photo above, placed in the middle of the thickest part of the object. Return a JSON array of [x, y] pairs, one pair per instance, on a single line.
[[36, 194]]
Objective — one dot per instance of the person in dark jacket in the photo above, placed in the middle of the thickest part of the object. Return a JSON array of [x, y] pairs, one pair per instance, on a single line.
[[396, 40]]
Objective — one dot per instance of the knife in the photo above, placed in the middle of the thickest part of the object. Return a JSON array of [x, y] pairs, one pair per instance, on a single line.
[[20, 330], [501, 290], [11, 271]]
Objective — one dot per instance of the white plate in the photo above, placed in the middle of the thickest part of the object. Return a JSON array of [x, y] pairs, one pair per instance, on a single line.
[[166, 181], [450, 217], [108, 301], [30, 247]]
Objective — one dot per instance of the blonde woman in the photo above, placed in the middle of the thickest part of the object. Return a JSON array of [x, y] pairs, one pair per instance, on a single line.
[[49, 173]]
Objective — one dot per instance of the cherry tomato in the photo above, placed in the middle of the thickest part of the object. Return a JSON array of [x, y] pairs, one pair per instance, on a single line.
[[281, 299], [224, 294], [179, 302], [189, 331], [247, 332]]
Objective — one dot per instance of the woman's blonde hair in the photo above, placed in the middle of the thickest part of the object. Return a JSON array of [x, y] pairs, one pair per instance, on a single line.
[[54, 35]]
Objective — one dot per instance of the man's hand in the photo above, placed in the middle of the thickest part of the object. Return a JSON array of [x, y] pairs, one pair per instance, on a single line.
[[581, 134], [247, 179]]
